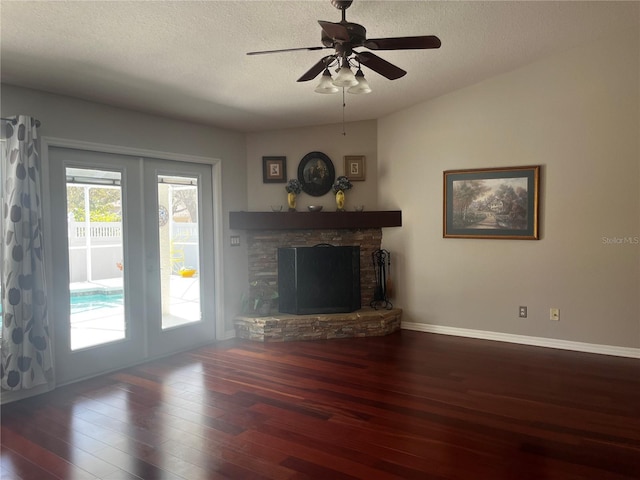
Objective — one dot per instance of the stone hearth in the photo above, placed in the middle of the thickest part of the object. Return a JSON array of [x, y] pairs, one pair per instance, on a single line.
[[365, 322]]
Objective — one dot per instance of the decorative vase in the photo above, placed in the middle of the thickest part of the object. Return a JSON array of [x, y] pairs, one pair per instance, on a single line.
[[291, 200], [340, 201]]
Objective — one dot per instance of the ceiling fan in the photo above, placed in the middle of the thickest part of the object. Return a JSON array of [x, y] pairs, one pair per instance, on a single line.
[[344, 37]]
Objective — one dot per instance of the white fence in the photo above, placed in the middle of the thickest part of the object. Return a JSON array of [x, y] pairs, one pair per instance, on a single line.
[[97, 257], [97, 231]]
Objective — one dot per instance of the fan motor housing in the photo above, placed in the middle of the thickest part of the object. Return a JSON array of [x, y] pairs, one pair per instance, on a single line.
[[357, 35], [341, 4]]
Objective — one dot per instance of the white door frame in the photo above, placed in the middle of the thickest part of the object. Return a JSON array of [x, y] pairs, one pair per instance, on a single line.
[[216, 181]]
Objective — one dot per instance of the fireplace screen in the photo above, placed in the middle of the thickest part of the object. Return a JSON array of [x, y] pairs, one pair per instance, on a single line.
[[320, 279]]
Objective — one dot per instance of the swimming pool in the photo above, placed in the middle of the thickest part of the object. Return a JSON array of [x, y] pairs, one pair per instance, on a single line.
[[86, 303]]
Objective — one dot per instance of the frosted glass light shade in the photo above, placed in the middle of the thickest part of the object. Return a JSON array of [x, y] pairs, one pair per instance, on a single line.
[[345, 78], [362, 86], [326, 85]]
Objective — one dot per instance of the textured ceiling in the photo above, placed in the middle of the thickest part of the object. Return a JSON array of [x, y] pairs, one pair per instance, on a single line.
[[187, 59]]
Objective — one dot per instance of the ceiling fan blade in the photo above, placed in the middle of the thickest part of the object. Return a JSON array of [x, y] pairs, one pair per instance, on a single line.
[[316, 69], [285, 50], [379, 65], [336, 31], [403, 43]]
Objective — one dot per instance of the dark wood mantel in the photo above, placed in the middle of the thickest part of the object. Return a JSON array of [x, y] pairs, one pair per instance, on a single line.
[[313, 220]]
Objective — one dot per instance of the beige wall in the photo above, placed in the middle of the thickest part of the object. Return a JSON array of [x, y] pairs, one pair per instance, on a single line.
[[360, 139], [576, 114], [72, 119]]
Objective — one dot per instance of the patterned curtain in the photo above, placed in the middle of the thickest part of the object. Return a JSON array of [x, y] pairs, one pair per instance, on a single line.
[[27, 359]]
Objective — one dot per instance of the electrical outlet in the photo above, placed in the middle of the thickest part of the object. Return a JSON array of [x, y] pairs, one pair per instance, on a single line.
[[554, 314], [522, 312]]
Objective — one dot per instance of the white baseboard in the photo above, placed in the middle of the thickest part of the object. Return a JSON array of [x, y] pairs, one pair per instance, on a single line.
[[525, 340], [228, 335]]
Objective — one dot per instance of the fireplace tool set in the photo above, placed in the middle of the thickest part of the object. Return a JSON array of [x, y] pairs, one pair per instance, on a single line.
[[382, 266]]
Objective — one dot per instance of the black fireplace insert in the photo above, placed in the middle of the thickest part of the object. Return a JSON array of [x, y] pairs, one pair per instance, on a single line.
[[320, 279]]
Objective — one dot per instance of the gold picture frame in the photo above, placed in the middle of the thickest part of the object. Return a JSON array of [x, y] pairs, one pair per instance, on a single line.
[[354, 167], [496, 203]]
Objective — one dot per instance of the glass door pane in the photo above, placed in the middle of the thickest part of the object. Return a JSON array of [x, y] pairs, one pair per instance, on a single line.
[[179, 250], [95, 239], [178, 255], [97, 262]]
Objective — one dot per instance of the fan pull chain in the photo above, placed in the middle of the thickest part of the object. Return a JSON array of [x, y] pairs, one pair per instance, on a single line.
[[344, 105]]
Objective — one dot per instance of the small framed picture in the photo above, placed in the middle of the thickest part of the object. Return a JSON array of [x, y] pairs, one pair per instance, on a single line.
[[274, 169], [354, 166]]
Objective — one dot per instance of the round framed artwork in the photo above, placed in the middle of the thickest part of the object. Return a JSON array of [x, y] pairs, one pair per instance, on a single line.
[[163, 215], [316, 174]]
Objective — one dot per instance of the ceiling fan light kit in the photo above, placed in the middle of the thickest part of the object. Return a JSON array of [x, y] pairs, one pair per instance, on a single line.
[[344, 37], [326, 84], [345, 78], [362, 86], [356, 84]]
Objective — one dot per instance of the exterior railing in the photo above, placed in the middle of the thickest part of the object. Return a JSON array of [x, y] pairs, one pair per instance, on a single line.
[[97, 230], [183, 232]]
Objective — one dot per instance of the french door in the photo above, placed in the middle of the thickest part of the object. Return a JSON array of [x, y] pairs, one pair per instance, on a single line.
[[132, 259]]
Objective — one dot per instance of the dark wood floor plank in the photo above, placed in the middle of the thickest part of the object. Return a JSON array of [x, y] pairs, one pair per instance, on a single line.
[[311, 454], [220, 459], [16, 467], [31, 460], [409, 405]]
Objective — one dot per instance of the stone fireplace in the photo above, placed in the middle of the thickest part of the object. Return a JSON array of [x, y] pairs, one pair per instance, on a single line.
[[263, 249], [267, 231]]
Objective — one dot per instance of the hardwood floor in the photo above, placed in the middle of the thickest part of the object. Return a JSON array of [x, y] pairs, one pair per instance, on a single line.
[[407, 406]]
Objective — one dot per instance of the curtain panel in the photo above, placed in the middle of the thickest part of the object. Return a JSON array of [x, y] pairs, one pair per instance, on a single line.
[[26, 356]]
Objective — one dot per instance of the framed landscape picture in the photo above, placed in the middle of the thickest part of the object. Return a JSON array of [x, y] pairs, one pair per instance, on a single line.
[[492, 203], [274, 169], [354, 167]]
